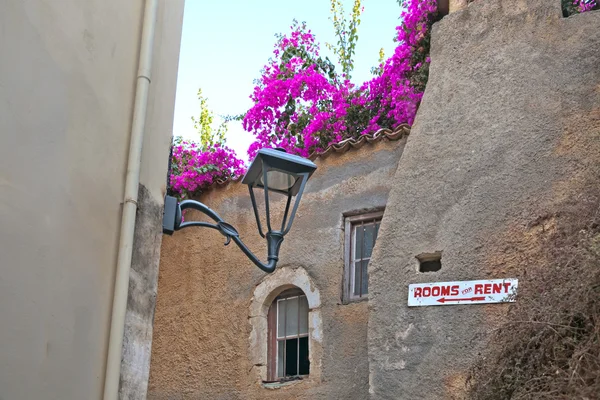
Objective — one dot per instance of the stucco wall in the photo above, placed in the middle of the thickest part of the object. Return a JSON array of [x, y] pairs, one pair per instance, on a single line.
[[508, 126], [202, 330], [67, 81]]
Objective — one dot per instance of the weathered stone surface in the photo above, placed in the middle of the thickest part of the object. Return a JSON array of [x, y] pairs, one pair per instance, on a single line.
[[208, 340], [508, 124], [457, 5], [141, 301]]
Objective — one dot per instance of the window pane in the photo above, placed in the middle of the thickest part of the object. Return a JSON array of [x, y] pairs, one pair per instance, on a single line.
[[292, 352], [369, 238], [303, 313], [291, 357], [291, 324], [365, 277], [304, 363], [358, 240], [364, 237], [356, 277], [361, 278], [281, 318]]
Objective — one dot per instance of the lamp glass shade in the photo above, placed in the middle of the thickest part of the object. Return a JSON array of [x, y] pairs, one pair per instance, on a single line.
[[285, 174], [284, 171], [277, 180]]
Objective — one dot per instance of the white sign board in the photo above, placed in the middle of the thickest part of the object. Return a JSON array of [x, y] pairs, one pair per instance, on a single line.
[[466, 292]]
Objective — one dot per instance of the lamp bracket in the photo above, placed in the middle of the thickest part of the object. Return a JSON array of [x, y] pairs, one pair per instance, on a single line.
[[173, 221]]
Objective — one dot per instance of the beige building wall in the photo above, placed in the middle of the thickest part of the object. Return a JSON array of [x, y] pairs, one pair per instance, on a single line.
[[67, 79], [210, 331]]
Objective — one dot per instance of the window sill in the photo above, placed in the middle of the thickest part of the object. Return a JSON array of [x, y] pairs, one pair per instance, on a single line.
[[355, 300], [283, 383]]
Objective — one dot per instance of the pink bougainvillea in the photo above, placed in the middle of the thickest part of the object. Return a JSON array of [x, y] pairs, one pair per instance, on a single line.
[[302, 105], [394, 95], [585, 5], [297, 98], [194, 169]]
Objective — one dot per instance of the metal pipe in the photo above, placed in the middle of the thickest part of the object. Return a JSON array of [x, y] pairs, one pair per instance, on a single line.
[[274, 240], [132, 180]]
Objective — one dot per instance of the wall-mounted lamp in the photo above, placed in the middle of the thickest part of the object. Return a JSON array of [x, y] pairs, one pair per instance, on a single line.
[[273, 170]]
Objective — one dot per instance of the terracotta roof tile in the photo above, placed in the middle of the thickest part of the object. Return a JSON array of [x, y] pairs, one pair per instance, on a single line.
[[342, 147]]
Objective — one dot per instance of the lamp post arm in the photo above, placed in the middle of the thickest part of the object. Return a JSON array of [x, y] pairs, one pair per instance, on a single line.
[[274, 239], [196, 205], [271, 264]]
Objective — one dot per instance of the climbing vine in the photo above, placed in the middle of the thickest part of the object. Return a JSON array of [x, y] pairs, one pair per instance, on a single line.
[[198, 164], [346, 32], [204, 125]]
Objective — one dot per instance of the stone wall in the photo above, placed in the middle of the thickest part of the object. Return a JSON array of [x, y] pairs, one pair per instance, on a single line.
[[209, 333], [508, 126]]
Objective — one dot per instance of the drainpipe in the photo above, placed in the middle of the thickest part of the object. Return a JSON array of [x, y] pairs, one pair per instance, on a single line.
[[132, 180]]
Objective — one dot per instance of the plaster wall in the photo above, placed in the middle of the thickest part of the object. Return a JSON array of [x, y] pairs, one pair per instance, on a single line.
[[67, 80], [507, 131], [207, 341]]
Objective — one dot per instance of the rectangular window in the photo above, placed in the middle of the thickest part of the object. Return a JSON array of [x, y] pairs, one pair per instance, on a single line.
[[361, 234], [292, 337]]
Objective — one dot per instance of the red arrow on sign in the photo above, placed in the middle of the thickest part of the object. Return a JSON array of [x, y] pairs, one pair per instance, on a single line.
[[443, 299]]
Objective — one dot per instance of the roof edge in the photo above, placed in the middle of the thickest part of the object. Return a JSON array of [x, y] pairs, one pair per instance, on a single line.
[[344, 146]]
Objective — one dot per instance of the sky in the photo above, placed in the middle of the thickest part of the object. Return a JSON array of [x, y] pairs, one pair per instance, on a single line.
[[225, 44]]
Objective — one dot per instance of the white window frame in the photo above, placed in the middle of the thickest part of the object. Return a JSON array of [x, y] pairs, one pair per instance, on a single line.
[[350, 224], [286, 337]]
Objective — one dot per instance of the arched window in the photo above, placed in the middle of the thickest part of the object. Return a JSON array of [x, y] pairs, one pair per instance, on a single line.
[[288, 336], [284, 283]]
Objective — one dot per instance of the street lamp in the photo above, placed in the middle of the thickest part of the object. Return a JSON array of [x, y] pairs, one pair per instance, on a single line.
[[273, 170]]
